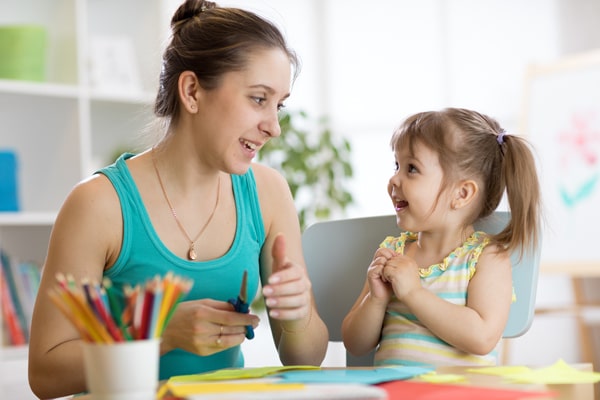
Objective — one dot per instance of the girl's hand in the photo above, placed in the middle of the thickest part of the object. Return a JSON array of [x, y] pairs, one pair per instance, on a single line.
[[403, 274], [205, 327], [379, 286]]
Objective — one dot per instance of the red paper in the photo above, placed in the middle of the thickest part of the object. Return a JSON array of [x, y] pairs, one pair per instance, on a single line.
[[397, 390]]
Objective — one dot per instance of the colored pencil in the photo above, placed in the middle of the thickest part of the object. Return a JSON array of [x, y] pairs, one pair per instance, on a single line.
[[103, 313]]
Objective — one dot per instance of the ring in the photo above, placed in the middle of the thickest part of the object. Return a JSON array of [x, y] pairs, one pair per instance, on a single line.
[[218, 342]]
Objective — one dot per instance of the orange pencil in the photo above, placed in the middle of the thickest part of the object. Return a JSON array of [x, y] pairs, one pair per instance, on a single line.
[[56, 298], [77, 302]]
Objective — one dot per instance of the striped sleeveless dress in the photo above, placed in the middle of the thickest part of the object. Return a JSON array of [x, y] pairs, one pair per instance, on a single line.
[[404, 340]]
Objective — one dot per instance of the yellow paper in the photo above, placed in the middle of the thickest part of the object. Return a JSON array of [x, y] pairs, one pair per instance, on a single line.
[[501, 370], [236, 373], [441, 378], [556, 374], [187, 389]]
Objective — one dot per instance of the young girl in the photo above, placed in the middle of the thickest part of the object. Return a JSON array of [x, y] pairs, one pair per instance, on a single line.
[[440, 293]]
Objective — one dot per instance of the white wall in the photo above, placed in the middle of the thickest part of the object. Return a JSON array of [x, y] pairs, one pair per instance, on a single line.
[[367, 65]]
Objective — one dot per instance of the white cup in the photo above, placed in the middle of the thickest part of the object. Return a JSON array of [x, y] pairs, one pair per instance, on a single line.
[[122, 371]]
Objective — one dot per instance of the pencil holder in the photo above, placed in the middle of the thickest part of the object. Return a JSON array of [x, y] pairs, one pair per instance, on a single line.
[[122, 370]]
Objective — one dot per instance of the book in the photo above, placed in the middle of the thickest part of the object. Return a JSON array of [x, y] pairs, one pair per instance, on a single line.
[[11, 322]]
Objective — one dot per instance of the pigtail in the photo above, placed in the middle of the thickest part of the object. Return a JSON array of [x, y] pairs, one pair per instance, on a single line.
[[523, 193]]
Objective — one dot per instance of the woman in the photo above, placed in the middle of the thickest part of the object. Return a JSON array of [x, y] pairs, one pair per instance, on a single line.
[[193, 204]]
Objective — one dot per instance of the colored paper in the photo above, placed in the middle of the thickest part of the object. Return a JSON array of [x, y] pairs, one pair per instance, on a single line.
[[556, 374], [501, 370], [429, 391], [369, 376], [237, 373], [330, 391], [183, 390], [442, 378]]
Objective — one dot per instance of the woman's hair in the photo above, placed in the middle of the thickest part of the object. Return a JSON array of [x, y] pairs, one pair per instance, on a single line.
[[471, 145], [210, 41]]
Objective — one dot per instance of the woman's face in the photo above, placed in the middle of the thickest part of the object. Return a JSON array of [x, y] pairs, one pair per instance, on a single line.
[[239, 116]]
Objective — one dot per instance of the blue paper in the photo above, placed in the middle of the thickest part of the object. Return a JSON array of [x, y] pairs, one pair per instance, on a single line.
[[370, 376]]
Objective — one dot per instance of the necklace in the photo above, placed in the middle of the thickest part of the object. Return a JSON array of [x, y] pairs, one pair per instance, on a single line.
[[192, 251]]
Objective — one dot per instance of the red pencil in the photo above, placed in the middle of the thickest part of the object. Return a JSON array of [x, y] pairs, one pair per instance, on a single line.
[[146, 311]]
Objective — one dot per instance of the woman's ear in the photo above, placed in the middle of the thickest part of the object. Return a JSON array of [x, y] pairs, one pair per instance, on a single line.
[[464, 194], [188, 86]]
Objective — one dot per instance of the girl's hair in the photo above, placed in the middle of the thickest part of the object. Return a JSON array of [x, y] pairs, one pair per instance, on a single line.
[[471, 145], [210, 41]]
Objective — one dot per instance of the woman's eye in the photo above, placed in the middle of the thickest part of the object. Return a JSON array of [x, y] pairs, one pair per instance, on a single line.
[[259, 100], [280, 107]]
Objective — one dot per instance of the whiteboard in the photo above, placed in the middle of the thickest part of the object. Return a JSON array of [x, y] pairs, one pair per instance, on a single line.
[[562, 121]]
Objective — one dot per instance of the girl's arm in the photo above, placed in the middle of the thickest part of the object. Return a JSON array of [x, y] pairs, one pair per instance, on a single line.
[[361, 328], [475, 328], [300, 335]]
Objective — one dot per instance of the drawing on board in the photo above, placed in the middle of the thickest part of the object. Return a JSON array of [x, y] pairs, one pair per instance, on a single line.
[[562, 121]]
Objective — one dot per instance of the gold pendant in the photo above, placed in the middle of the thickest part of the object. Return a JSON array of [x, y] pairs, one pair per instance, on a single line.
[[192, 253]]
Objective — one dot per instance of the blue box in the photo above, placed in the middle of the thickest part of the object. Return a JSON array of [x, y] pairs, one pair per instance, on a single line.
[[9, 199]]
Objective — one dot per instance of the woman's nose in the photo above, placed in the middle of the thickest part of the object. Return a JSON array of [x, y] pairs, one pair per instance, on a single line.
[[270, 125]]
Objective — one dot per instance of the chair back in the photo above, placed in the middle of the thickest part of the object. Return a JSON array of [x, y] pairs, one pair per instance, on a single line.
[[338, 253]]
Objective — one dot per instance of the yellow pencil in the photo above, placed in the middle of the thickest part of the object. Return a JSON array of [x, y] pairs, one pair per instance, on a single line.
[[56, 298]]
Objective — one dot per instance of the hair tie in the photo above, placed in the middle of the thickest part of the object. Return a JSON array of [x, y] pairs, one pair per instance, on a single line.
[[500, 137]]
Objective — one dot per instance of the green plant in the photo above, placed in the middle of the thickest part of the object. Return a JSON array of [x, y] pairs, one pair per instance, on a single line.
[[315, 163]]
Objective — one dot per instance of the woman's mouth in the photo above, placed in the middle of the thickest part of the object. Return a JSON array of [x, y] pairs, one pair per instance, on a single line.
[[249, 145]]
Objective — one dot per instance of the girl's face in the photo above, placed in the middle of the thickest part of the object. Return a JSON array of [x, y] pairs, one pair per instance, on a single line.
[[237, 118], [415, 186]]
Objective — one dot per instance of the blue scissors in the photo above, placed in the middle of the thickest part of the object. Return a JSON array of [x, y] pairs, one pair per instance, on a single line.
[[241, 304]]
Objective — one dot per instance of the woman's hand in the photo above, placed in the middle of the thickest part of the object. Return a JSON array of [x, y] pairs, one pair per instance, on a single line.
[[403, 274], [205, 327], [288, 292]]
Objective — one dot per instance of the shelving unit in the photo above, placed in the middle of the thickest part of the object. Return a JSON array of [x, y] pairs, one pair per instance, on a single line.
[[64, 128]]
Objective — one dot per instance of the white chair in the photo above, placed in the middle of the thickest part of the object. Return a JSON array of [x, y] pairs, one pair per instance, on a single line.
[[338, 252]]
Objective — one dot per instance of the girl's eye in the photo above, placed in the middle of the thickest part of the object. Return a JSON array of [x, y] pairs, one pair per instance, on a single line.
[[412, 169], [396, 166]]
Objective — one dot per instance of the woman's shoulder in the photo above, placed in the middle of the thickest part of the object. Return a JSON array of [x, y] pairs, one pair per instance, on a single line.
[[269, 179], [92, 197]]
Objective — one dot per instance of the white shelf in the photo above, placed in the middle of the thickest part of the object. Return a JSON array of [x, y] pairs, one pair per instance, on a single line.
[[26, 219], [39, 89], [64, 128]]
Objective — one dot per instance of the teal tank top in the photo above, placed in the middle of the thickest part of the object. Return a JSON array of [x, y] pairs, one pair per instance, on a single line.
[[143, 256]]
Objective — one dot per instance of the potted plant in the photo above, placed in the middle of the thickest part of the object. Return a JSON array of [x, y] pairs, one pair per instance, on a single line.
[[315, 162]]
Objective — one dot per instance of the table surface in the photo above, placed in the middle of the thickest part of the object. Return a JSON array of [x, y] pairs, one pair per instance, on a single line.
[[583, 391]]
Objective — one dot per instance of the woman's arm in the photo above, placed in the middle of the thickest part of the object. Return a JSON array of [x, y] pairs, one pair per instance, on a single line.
[[300, 335], [82, 242]]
